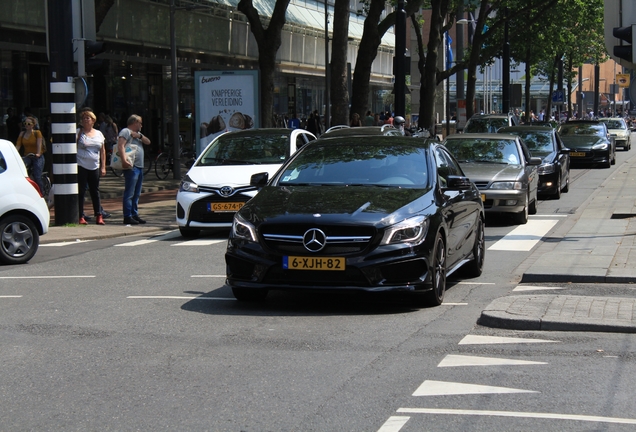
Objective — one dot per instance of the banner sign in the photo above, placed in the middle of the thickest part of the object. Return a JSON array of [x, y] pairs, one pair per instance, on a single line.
[[622, 80], [225, 101]]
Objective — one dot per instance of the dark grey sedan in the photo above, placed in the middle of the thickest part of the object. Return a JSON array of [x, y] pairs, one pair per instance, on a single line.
[[502, 169], [589, 142], [544, 142]]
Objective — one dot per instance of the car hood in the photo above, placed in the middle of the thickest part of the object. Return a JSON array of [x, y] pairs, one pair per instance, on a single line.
[[228, 175], [486, 172], [582, 142], [546, 156], [619, 132], [370, 205]]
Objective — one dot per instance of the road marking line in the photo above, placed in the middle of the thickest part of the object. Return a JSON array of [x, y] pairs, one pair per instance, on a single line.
[[453, 360], [548, 216], [208, 276], [65, 243], [138, 242], [10, 296], [200, 242], [394, 424], [524, 237], [536, 288], [181, 298], [445, 388], [483, 340], [45, 277], [518, 414], [454, 304], [476, 283]]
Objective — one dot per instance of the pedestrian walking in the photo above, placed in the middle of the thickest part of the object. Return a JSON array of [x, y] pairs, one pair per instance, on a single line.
[[91, 164], [133, 173]]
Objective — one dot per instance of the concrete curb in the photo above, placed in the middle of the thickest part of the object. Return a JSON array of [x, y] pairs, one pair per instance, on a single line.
[[560, 313]]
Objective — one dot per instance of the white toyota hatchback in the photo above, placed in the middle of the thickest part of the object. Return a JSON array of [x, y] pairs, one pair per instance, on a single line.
[[218, 184], [24, 215]]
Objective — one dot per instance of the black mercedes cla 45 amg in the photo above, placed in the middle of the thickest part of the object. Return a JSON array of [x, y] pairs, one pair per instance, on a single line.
[[359, 213]]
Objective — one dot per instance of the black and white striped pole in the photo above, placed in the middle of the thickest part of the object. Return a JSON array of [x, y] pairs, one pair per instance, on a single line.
[[63, 121]]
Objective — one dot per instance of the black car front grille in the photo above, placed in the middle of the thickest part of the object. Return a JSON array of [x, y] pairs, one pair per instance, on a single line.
[[341, 240], [481, 184], [199, 210]]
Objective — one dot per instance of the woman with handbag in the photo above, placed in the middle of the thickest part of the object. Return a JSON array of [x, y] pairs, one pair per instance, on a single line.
[[91, 164], [34, 148]]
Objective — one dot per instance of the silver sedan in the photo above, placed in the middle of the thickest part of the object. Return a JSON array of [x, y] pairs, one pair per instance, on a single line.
[[502, 169]]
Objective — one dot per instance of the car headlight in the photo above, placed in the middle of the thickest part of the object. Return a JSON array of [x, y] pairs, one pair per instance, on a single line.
[[243, 229], [601, 146], [507, 185], [546, 169], [187, 185], [412, 231]]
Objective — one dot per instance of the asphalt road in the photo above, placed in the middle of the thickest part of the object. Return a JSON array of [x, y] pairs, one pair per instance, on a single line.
[[141, 333]]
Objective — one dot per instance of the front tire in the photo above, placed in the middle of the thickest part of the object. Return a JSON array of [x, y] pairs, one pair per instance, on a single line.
[[19, 239], [557, 193], [435, 297], [522, 217], [475, 267]]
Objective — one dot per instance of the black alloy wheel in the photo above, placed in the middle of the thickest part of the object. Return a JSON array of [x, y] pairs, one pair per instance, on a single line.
[[475, 267], [522, 217], [435, 297]]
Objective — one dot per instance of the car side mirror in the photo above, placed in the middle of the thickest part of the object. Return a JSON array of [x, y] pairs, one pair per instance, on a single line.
[[565, 150], [259, 180], [458, 183], [534, 161]]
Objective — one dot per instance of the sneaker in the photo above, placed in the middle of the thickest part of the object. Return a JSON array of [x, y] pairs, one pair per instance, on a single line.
[[82, 221], [99, 220], [138, 219], [105, 214], [130, 221]]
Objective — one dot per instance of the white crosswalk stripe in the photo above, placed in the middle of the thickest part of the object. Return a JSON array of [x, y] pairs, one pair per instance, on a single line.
[[524, 237]]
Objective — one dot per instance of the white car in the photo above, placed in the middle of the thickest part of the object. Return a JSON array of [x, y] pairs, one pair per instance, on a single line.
[[24, 215], [618, 129], [218, 184]]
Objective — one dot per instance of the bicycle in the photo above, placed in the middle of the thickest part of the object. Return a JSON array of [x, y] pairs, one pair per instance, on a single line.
[[46, 181], [164, 163]]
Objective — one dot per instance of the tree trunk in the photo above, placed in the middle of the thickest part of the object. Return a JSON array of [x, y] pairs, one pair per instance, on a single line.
[[367, 52], [473, 59], [528, 78], [338, 89], [428, 82], [268, 41]]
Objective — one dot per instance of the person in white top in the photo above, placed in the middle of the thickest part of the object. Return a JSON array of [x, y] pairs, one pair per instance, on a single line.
[[91, 164]]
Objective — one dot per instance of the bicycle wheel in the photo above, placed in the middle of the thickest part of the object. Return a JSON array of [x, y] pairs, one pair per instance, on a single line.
[[117, 172], [162, 166], [147, 164], [46, 182]]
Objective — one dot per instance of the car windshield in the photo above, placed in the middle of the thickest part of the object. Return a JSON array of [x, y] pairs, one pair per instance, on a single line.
[[536, 141], [615, 124], [358, 165], [582, 129], [240, 149], [485, 125], [501, 151]]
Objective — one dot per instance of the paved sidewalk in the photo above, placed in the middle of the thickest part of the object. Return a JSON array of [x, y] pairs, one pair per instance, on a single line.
[[561, 313]]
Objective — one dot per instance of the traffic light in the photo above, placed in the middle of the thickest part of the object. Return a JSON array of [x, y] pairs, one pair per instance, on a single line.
[[86, 61], [91, 49], [625, 52]]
